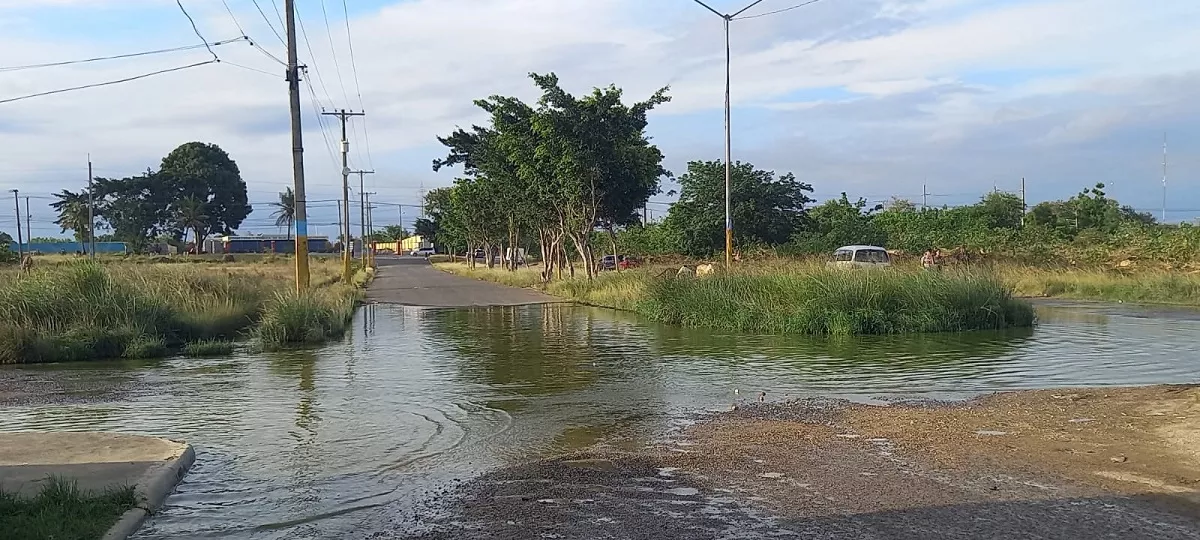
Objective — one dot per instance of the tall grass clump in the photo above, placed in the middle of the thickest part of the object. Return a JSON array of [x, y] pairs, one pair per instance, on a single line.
[[307, 318], [62, 510], [826, 301], [84, 311]]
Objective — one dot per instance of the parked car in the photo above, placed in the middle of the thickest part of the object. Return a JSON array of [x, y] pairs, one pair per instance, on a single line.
[[861, 257], [609, 262], [423, 252]]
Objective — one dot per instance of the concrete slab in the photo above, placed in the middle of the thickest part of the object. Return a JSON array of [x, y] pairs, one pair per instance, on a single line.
[[95, 461]]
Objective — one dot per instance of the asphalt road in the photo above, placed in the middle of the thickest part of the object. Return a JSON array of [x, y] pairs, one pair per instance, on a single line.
[[412, 281]]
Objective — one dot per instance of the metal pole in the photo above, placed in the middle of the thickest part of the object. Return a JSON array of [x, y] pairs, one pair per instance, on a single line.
[[20, 239], [91, 213], [301, 217], [728, 153], [362, 212]]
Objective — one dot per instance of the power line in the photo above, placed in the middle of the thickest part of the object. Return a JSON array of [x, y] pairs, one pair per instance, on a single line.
[[268, 21], [797, 6], [266, 52], [107, 83], [357, 87], [120, 56], [333, 51], [264, 72], [231, 16], [196, 30]]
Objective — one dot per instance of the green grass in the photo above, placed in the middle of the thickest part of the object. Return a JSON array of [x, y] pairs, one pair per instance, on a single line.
[[208, 347], [1137, 286], [796, 298], [61, 511], [304, 319], [80, 310]]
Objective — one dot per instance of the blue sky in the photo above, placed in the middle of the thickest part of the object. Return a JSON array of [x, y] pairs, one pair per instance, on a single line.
[[873, 97]]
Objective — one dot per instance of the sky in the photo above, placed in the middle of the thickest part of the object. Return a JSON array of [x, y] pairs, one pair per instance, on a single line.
[[876, 98]]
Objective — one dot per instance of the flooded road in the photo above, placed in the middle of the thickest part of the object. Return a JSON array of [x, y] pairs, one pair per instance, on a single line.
[[353, 439]]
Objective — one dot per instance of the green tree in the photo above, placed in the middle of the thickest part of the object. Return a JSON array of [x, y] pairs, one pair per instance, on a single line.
[[999, 210], [840, 222], [73, 215], [136, 208], [191, 216], [205, 173], [766, 209], [285, 210]]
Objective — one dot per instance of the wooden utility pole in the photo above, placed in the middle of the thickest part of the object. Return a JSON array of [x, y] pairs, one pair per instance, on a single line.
[[362, 212], [301, 213], [20, 240], [1024, 207], [348, 242], [91, 213]]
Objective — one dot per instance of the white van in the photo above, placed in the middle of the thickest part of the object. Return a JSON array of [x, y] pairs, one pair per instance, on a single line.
[[861, 256]]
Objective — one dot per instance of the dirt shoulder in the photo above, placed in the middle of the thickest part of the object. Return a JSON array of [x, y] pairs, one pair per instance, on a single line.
[[1081, 464]]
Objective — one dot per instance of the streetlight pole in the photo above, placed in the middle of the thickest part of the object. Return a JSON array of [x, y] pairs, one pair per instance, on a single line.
[[727, 18]]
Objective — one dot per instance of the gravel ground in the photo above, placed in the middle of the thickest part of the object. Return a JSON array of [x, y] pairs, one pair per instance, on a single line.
[[829, 469]]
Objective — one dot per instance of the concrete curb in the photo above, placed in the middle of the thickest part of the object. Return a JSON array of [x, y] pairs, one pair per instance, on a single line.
[[151, 491]]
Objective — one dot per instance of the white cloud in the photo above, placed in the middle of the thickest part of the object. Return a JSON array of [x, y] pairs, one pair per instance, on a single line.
[[421, 62]]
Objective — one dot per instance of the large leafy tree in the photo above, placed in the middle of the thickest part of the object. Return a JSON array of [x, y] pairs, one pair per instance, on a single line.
[[136, 208], [205, 173], [841, 222], [285, 210], [766, 209], [73, 215]]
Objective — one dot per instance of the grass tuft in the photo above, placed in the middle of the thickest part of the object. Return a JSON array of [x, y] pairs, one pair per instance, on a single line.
[[63, 512], [208, 347], [309, 318]]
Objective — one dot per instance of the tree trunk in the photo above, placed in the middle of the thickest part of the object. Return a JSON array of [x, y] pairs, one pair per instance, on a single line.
[[612, 240], [487, 253]]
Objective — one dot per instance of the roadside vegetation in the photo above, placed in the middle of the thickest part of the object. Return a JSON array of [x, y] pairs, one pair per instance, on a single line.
[[802, 298], [63, 512], [84, 311]]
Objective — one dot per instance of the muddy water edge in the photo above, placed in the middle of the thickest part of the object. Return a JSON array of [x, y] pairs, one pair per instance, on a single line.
[[454, 424]]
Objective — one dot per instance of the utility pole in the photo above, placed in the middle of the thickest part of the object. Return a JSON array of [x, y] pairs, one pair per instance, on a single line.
[[348, 245], [726, 19], [362, 212], [1164, 208], [1024, 207], [91, 213], [370, 230], [28, 216], [301, 218], [20, 240], [924, 197]]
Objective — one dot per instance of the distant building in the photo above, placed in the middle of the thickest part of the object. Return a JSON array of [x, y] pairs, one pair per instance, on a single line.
[[414, 243], [264, 243]]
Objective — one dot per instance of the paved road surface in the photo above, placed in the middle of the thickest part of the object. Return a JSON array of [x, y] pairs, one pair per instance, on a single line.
[[411, 281]]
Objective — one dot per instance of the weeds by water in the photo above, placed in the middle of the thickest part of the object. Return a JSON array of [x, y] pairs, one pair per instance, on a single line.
[[313, 317], [63, 512], [208, 347], [797, 298], [84, 311], [1141, 286]]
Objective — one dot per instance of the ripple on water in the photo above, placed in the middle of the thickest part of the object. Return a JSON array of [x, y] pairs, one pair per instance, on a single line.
[[337, 441]]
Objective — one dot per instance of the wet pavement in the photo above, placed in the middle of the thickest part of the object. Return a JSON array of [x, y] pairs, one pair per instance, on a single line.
[[412, 281]]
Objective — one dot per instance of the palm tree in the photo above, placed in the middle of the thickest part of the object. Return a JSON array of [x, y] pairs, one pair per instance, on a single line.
[[285, 213], [191, 217], [73, 215]]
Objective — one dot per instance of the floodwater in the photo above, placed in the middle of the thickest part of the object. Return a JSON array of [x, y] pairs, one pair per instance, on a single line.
[[358, 438]]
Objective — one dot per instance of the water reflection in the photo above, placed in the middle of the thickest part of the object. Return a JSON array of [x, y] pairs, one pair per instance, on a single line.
[[334, 442]]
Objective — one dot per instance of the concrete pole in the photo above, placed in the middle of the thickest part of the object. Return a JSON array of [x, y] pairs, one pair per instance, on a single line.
[[301, 213], [20, 239]]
